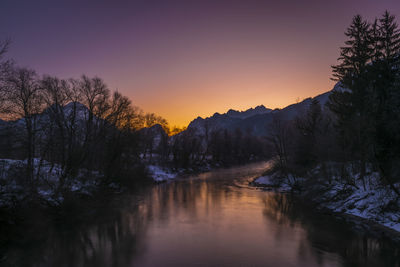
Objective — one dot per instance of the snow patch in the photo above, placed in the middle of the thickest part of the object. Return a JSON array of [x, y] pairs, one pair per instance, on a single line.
[[368, 199], [159, 174], [47, 175], [265, 180]]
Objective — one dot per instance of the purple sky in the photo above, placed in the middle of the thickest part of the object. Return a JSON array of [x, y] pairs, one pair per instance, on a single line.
[[182, 59]]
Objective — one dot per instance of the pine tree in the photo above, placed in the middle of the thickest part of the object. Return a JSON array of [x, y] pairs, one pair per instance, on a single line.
[[350, 105], [385, 66], [356, 55], [367, 109], [387, 98], [390, 38]]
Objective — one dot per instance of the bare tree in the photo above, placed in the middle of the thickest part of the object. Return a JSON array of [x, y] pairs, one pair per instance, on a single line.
[[95, 96], [56, 96], [24, 100], [279, 140], [151, 119], [5, 66]]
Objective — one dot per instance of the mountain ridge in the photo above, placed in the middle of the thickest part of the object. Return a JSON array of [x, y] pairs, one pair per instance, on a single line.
[[254, 120]]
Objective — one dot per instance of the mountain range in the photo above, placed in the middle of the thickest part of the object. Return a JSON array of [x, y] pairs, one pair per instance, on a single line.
[[255, 121]]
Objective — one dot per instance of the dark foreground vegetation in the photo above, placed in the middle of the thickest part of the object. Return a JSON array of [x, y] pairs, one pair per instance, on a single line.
[[63, 138], [61, 134], [346, 154]]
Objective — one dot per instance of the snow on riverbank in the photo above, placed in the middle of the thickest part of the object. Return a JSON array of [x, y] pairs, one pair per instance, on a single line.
[[265, 180], [377, 203], [160, 174], [272, 182], [13, 184], [372, 200]]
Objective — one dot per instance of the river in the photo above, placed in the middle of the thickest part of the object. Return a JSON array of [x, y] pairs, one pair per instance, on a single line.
[[211, 219]]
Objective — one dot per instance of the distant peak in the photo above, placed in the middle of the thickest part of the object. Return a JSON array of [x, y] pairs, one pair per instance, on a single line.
[[260, 109], [232, 111]]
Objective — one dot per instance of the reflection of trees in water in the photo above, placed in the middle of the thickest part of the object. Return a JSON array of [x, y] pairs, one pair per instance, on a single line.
[[114, 234], [113, 243], [328, 236], [193, 198], [109, 237]]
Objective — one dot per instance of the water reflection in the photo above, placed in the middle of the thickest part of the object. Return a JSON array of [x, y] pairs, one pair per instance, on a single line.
[[328, 237], [208, 220], [108, 237]]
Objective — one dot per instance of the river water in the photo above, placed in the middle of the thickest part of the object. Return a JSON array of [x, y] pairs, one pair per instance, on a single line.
[[211, 219]]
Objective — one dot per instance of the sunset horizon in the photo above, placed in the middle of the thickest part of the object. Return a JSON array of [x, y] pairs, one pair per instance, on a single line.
[[180, 59]]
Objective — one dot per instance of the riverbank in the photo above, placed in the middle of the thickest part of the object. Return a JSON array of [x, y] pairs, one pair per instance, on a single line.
[[156, 226], [51, 186], [369, 206], [161, 173]]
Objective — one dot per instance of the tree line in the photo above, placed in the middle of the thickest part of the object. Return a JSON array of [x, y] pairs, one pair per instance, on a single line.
[[74, 124], [360, 124], [217, 147], [198, 148], [80, 124]]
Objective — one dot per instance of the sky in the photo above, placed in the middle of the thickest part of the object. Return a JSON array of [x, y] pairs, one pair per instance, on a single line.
[[183, 59]]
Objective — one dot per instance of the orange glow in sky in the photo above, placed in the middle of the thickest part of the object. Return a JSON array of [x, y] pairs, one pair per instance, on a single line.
[[183, 59]]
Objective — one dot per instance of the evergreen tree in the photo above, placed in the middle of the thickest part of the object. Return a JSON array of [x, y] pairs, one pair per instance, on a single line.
[[390, 38], [351, 105], [387, 100], [367, 108]]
